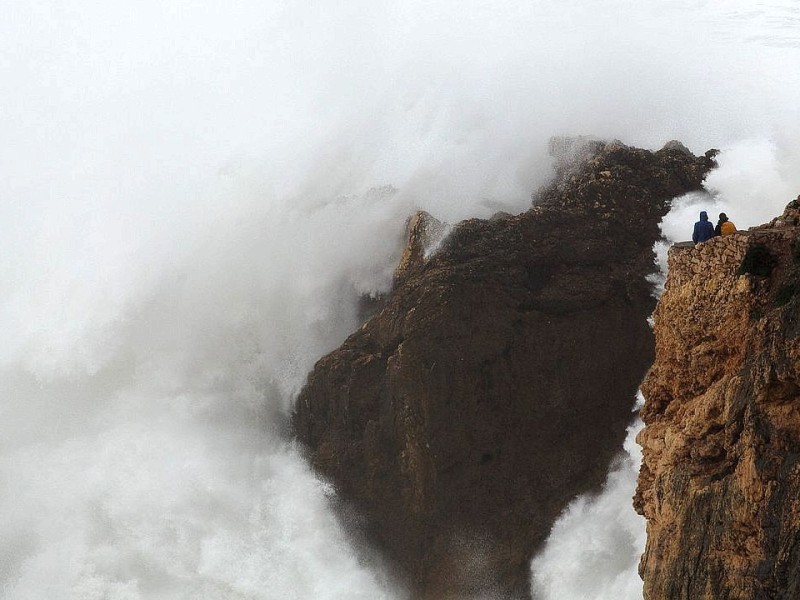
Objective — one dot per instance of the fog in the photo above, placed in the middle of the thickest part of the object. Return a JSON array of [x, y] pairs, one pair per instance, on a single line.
[[193, 195]]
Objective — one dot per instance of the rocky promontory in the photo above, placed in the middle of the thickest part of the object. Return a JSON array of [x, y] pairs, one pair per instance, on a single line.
[[496, 381], [720, 479]]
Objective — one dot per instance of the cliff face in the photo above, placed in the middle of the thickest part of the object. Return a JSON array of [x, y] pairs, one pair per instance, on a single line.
[[720, 480], [497, 380]]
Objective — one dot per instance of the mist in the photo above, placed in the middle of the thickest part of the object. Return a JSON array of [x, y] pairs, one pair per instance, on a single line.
[[193, 196]]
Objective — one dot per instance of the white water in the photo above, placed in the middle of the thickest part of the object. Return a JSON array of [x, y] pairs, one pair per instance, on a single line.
[[191, 200]]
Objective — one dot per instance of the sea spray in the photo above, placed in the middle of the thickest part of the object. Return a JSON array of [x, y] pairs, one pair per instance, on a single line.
[[186, 225]]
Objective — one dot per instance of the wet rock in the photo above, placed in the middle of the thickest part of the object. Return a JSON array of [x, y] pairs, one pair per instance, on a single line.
[[497, 380], [720, 479], [676, 145]]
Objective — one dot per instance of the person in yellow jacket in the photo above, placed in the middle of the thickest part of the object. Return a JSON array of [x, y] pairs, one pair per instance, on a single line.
[[724, 226]]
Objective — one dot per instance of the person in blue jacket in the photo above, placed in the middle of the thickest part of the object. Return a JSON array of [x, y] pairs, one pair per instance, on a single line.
[[703, 229]]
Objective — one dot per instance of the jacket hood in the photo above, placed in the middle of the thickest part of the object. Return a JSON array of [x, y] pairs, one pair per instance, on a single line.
[[703, 215]]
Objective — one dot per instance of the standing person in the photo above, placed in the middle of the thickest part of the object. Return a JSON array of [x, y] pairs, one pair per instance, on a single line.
[[703, 229], [724, 226]]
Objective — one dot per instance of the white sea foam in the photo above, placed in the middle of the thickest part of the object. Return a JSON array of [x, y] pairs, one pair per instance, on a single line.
[[595, 545], [193, 196]]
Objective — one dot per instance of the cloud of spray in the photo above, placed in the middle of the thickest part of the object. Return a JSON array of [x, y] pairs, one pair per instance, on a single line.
[[191, 201], [142, 453]]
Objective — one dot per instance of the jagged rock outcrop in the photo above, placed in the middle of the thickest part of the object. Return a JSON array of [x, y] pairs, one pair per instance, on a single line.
[[497, 379], [720, 479], [424, 233]]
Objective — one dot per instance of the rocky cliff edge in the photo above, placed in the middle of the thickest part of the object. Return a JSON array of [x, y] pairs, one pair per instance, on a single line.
[[720, 480]]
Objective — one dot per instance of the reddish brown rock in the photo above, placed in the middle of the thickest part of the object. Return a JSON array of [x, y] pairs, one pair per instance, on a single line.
[[497, 380], [720, 480]]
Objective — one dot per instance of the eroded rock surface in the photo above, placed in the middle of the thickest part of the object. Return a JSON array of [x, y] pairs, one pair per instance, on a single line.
[[497, 380], [720, 481]]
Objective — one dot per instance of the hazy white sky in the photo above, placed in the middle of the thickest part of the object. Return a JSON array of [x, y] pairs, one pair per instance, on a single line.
[[147, 103]]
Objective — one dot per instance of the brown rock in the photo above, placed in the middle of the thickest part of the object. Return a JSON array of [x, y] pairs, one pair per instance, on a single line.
[[497, 380], [424, 233], [720, 479]]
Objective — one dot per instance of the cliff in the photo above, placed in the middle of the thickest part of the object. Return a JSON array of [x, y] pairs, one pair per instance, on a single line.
[[720, 480], [497, 379]]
